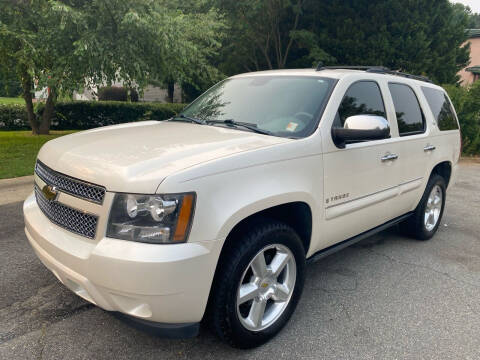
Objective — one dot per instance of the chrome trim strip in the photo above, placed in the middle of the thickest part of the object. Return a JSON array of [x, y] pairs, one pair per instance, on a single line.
[[41, 167], [375, 193], [410, 181], [45, 207], [366, 201], [360, 197]]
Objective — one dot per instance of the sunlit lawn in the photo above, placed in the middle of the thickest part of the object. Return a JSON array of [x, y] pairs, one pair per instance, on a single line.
[[13, 100], [19, 149]]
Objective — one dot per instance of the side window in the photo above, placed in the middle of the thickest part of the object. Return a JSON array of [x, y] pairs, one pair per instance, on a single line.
[[362, 98], [441, 108], [410, 117]]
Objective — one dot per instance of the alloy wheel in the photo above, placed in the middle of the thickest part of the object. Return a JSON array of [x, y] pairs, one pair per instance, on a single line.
[[266, 287], [433, 208]]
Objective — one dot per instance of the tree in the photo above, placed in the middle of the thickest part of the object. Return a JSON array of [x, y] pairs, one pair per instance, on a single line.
[[201, 72], [13, 49], [71, 44], [263, 34], [466, 100], [461, 10], [9, 84], [421, 37], [474, 21]]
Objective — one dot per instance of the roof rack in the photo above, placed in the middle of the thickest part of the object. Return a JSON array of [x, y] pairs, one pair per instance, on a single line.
[[375, 69], [399, 73], [360, 67]]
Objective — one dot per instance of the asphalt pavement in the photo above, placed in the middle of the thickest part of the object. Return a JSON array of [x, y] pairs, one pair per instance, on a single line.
[[387, 297]]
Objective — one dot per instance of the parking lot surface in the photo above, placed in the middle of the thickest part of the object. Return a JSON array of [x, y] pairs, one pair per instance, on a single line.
[[387, 297]]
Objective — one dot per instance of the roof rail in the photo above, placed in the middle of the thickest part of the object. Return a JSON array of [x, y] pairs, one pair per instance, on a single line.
[[361, 67], [402, 74], [375, 69]]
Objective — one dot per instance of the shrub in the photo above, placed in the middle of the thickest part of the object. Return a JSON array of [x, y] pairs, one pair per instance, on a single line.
[[10, 86], [81, 115], [13, 117], [467, 104], [133, 95], [117, 93], [113, 93], [89, 114]]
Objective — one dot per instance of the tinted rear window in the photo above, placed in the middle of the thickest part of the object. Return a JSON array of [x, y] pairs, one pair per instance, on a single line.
[[441, 108], [410, 118]]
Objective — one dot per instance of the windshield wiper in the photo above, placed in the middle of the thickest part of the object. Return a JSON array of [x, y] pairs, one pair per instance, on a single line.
[[251, 127], [191, 119]]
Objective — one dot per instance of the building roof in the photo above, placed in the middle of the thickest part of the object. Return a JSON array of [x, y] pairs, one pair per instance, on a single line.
[[473, 33], [474, 69]]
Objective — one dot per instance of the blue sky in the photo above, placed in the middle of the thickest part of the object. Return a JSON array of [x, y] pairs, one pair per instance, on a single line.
[[474, 4]]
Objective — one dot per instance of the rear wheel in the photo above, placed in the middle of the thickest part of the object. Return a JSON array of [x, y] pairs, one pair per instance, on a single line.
[[424, 222], [258, 284]]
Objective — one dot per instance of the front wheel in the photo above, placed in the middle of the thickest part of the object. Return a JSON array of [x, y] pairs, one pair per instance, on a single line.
[[258, 284], [425, 220]]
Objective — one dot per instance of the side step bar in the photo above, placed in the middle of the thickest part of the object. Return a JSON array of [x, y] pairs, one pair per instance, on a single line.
[[342, 245]]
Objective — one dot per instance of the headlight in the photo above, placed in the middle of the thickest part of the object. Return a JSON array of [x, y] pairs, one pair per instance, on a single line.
[[157, 219]]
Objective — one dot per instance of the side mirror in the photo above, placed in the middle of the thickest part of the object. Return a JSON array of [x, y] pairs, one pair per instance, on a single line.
[[361, 128]]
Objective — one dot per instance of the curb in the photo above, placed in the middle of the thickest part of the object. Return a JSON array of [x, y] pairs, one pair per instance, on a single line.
[[474, 160], [15, 190], [14, 182]]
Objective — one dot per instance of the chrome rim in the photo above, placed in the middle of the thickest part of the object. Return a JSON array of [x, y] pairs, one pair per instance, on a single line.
[[433, 208], [266, 287]]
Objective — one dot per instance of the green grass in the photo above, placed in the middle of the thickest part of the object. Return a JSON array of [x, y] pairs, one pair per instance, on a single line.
[[19, 149], [16, 100]]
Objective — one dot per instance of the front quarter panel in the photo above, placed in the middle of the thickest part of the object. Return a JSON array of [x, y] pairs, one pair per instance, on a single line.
[[229, 190]]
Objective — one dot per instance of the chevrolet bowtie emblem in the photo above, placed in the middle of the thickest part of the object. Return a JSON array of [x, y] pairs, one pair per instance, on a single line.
[[50, 192]]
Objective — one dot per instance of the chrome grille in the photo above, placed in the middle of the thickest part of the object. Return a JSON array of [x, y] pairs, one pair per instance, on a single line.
[[69, 185], [71, 219]]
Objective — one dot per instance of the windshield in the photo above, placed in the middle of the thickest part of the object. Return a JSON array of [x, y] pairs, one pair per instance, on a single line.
[[287, 106]]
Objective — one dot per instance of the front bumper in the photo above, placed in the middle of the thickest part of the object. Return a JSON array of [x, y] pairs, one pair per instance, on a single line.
[[156, 283]]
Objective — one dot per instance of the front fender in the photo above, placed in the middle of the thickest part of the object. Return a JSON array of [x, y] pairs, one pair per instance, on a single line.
[[263, 204], [226, 198]]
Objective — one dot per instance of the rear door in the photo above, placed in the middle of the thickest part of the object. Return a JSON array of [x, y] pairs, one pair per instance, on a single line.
[[416, 146], [446, 136]]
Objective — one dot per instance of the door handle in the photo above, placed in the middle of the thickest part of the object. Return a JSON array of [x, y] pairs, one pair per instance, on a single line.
[[429, 148], [389, 157]]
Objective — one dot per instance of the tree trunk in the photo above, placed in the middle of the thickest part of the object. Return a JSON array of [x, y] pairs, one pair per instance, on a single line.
[[44, 128], [290, 42], [27, 87], [170, 90]]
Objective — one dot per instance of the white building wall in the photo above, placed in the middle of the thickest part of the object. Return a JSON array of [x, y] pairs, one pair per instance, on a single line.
[[150, 93], [154, 93]]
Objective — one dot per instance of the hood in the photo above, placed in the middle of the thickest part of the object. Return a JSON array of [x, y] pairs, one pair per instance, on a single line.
[[136, 157]]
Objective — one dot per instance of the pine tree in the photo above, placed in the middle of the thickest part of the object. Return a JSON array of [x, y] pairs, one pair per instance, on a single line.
[[421, 36]]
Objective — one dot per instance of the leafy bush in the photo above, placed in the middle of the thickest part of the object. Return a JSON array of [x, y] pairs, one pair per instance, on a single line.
[[13, 117], [80, 115], [113, 93], [133, 95], [467, 104], [88, 114], [9, 83], [117, 93]]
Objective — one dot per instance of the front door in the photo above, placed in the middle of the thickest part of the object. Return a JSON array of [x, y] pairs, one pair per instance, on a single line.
[[361, 180]]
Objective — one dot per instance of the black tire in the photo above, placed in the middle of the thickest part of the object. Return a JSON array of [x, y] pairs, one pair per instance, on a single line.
[[222, 312], [415, 226]]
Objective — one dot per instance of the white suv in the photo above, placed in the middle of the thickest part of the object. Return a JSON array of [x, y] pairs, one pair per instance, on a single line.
[[212, 214]]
